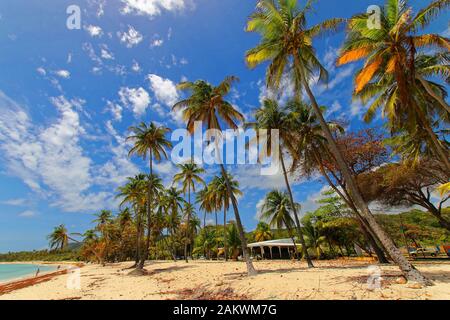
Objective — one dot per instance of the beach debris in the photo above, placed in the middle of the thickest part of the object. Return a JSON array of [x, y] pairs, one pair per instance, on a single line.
[[401, 280]]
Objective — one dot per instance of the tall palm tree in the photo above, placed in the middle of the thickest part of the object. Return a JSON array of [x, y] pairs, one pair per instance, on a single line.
[[391, 75], [59, 238], [270, 116], [103, 218], [311, 151], [174, 203], [222, 200], [204, 199], [287, 44], [189, 176], [134, 193], [207, 103], [149, 141], [263, 232], [277, 210]]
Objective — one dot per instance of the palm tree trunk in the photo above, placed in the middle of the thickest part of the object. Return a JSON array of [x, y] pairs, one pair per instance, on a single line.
[[362, 223], [433, 94], [138, 238], [225, 247], [250, 268], [188, 227], [410, 272], [294, 209], [149, 216]]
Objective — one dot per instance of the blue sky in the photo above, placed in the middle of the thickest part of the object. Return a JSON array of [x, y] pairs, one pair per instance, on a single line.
[[67, 98]]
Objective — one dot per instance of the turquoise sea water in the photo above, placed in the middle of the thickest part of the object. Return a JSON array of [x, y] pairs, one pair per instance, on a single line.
[[13, 271]]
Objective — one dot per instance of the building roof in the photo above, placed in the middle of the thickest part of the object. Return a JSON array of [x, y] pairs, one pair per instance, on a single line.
[[273, 243]]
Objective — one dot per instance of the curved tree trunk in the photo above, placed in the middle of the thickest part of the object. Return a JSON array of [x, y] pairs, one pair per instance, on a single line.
[[250, 268], [410, 272], [294, 209], [362, 223]]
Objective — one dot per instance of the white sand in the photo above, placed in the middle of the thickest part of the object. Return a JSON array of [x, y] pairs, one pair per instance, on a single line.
[[341, 279]]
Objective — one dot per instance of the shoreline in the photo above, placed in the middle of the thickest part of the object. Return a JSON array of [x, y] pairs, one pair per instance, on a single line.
[[13, 284]]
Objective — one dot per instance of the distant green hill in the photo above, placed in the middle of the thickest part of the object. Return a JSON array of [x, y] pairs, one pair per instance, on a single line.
[[417, 226]]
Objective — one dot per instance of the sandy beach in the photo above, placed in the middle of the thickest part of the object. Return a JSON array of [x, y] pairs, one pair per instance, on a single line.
[[340, 279]]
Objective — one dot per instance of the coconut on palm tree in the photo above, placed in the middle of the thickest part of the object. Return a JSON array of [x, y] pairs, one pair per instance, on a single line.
[[189, 176], [392, 76], [287, 44], [208, 104], [149, 141]]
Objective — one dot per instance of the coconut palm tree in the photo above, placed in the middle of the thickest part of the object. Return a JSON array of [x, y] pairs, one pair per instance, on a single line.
[[222, 200], [391, 74], [174, 203], [207, 103], [149, 141], [205, 204], [59, 238], [263, 232], [233, 241], [311, 150], [277, 210], [287, 44], [270, 116], [135, 194], [189, 176]]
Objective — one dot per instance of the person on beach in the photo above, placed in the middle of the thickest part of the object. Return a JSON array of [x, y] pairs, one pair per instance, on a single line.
[[37, 272]]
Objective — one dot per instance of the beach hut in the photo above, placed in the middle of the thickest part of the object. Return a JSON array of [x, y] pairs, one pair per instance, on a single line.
[[274, 249]]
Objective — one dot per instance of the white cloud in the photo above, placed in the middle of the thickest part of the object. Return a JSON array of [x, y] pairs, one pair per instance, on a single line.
[[94, 31], [49, 159], [136, 67], [130, 38], [115, 109], [157, 43], [152, 7], [27, 214], [63, 74], [41, 71], [105, 53], [137, 99], [115, 171], [164, 89], [15, 202]]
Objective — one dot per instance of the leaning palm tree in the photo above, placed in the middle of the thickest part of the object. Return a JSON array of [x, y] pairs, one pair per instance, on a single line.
[[59, 238], [270, 116], [391, 75], [287, 44], [149, 141], [311, 153], [189, 176], [208, 104]]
